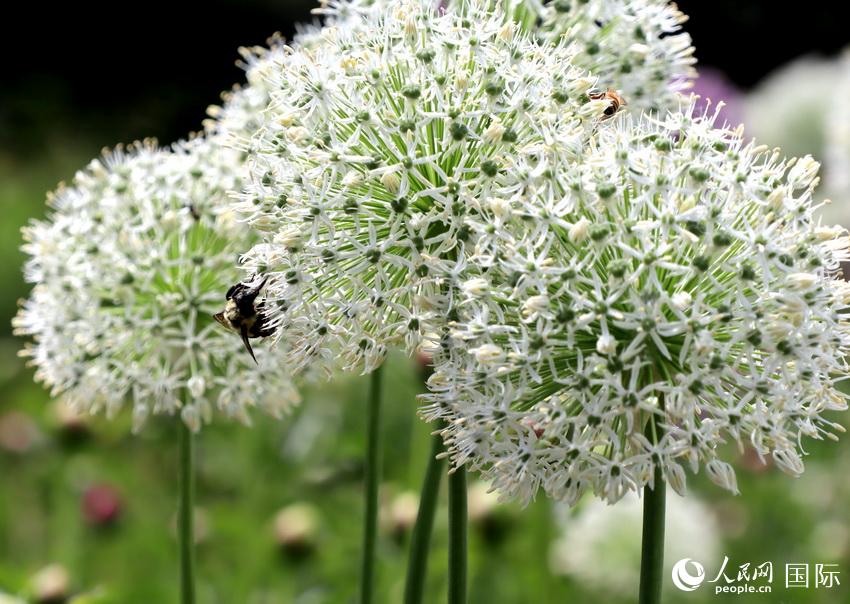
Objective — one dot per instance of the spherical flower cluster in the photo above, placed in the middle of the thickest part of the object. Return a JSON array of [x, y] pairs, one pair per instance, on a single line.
[[128, 270], [636, 307], [635, 46], [376, 152]]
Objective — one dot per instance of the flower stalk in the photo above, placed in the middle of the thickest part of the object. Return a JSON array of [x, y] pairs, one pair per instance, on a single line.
[[652, 550], [457, 536], [372, 480], [185, 516], [417, 566], [652, 543]]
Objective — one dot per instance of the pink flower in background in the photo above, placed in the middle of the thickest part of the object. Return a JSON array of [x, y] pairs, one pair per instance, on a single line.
[[101, 505], [712, 86]]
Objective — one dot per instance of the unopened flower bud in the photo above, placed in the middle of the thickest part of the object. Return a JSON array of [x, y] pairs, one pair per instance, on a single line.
[[722, 474], [488, 354], [578, 231]]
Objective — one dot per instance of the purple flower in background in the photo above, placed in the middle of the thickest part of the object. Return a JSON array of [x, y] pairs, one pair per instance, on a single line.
[[713, 86]]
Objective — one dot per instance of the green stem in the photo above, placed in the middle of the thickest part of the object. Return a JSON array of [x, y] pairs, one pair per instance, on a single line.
[[185, 517], [372, 478], [652, 548], [457, 536], [417, 565]]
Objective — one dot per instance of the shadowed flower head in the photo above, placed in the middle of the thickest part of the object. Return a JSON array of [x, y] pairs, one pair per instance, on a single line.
[[128, 269], [667, 291], [635, 46], [375, 152]]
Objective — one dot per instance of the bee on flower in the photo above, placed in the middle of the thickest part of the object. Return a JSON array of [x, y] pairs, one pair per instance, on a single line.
[[375, 156]]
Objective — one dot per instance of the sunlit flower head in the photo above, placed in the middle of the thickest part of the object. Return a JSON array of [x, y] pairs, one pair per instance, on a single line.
[[377, 151], [127, 271], [666, 291]]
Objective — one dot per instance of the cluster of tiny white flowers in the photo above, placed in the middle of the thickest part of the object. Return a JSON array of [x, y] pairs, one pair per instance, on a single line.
[[633, 308], [377, 149], [128, 269], [635, 46]]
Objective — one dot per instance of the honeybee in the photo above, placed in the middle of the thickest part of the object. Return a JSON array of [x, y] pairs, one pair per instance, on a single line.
[[615, 101], [243, 314]]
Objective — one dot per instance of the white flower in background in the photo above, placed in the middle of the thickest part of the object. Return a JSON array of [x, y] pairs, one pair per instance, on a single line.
[[790, 110], [382, 146], [296, 527], [704, 306], [634, 46], [127, 271], [837, 152], [594, 531], [791, 106], [51, 584]]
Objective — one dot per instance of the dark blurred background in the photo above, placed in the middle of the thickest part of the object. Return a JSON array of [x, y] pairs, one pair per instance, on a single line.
[[109, 72]]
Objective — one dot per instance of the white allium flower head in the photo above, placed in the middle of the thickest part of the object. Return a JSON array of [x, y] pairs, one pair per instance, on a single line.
[[382, 146], [127, 271], [634, 46], [703, 306], [594, 531]]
